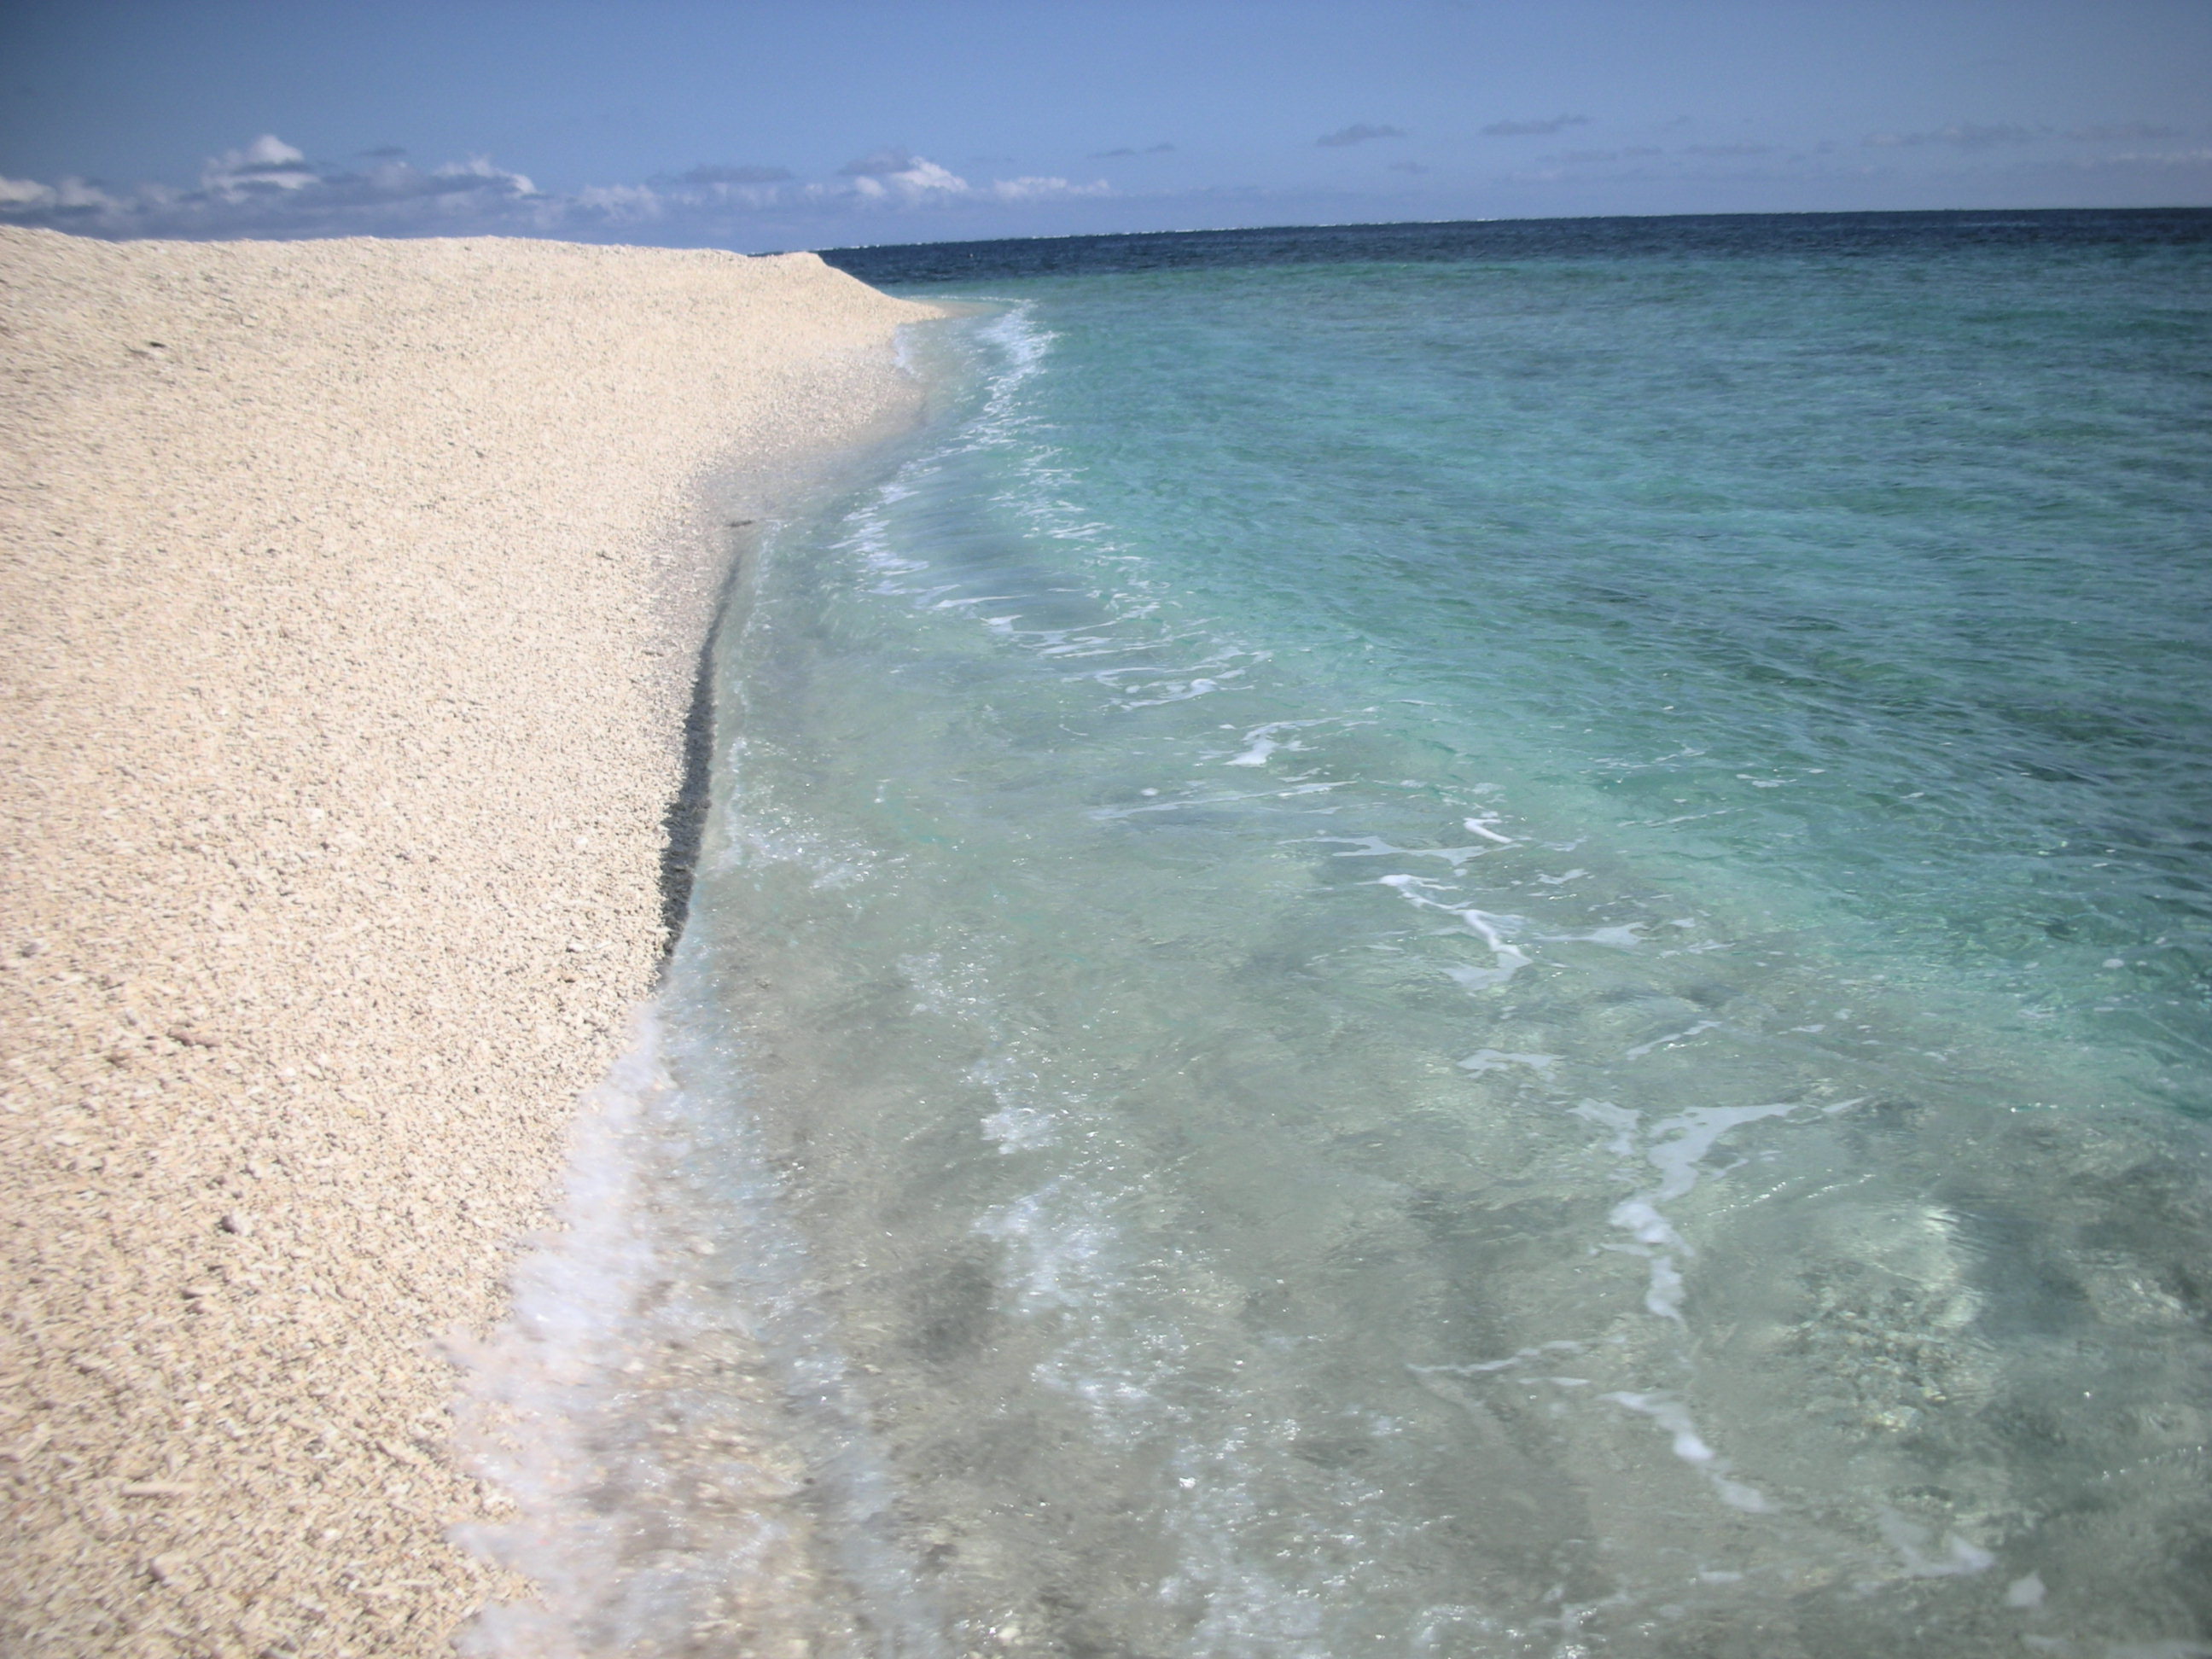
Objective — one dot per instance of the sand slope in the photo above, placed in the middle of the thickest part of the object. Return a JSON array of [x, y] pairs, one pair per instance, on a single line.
[[348, 594]]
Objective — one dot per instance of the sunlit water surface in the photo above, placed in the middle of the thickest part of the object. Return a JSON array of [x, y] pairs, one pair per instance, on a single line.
[[1496, 951]]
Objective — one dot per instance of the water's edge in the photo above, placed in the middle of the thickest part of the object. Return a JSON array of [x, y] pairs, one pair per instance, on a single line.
[[641, 1356]]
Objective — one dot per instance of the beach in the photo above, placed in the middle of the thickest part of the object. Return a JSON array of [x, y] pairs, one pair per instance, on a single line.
[[1528, 975], [350, 607]]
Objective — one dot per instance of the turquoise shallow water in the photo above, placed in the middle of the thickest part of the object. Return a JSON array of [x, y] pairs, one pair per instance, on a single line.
[[1477, 952]]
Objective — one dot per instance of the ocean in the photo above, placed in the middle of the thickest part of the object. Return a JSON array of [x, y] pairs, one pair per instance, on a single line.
[[1455, 941]]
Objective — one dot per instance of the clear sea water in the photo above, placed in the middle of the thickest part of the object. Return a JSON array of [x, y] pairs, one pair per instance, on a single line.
[[1450, 941]]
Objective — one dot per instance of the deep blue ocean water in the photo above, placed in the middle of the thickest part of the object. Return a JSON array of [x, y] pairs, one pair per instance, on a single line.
[[1455, 940]]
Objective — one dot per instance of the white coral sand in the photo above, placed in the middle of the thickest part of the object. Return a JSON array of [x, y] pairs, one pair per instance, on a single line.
[[347, 604]]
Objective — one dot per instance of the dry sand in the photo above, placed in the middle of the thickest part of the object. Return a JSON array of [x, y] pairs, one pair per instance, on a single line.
[[348, 603]]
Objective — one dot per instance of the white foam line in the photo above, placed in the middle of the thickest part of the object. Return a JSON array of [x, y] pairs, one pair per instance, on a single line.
[[1263, 743], [1198, 688], [550, 1397], [1673, 1147], [1494, 931], [1115, 647], [1106, 676], [1690, 1136], [1374, 846], [1672, 1416], [1621, 1119], [1106, 812]]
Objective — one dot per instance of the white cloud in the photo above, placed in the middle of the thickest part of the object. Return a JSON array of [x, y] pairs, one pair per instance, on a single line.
[[887, 174], [266, 164], [70, 198], [917, 181], [17, 193], [897, 177], [480, 167]]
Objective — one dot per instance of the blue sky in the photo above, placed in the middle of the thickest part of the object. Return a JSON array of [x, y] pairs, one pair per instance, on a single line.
[[755, 125]]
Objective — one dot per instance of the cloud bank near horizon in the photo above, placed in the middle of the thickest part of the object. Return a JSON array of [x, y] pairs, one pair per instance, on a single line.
[[270, 188]]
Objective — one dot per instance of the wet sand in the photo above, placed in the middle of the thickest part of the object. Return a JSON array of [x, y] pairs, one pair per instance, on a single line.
[[349, 596]]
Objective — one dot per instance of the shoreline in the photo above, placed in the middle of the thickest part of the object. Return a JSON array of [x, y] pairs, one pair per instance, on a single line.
[[353, 599]]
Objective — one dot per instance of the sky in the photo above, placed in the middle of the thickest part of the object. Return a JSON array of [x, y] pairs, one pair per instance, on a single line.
[[831, 122]]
